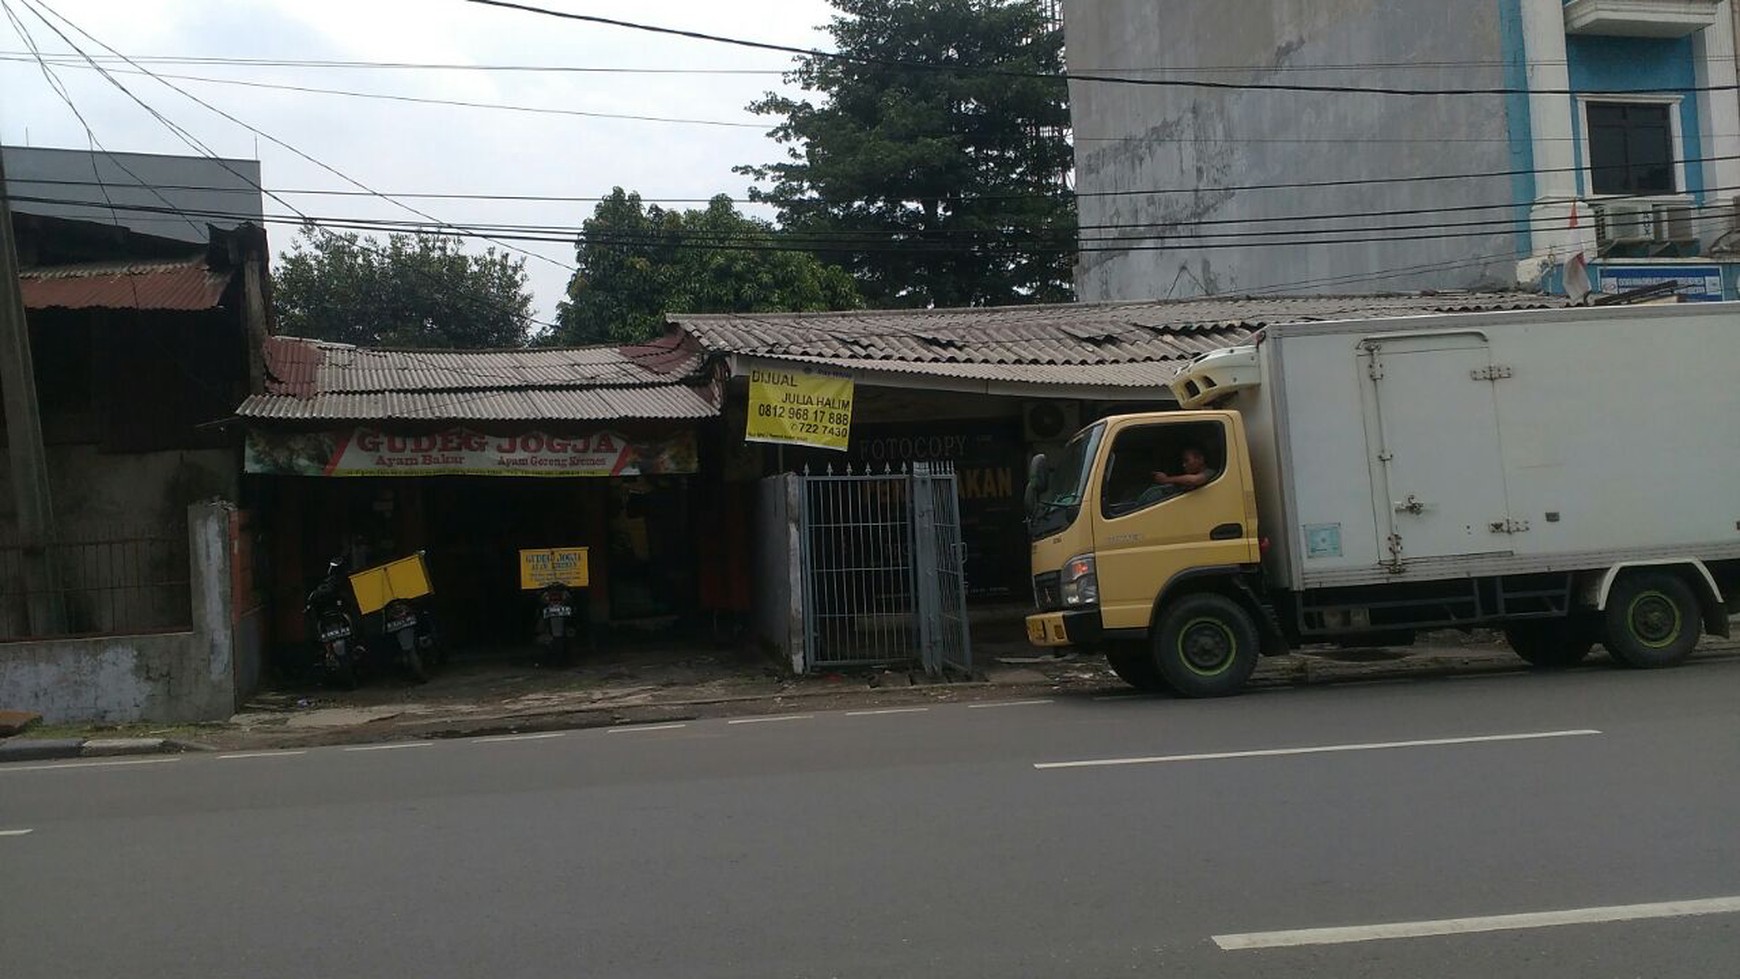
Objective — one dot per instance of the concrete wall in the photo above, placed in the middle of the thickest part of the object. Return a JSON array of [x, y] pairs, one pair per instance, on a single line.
[[778, 623], [229, 187], [1210, 143], [94, 491], [174, 677]]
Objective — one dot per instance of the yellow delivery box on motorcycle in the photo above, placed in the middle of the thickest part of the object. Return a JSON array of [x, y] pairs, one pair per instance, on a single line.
[[406, 578], [545, 566]]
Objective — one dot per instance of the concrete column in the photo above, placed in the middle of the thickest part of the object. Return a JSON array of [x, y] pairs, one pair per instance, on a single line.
[[1718, 121], [211, 584], [1555, 156]]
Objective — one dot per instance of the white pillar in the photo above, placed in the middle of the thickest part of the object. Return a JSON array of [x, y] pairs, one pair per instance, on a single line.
[[1718, 120], [1550, 109]]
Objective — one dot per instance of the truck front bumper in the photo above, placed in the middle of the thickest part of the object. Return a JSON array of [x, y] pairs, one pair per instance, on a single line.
[[1064, 628]]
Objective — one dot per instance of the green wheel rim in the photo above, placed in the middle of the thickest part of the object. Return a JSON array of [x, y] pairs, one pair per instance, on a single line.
[[1207, 647], [1654, 620]]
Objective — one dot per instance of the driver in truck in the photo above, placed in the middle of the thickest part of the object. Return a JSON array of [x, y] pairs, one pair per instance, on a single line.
[[1196, 473]]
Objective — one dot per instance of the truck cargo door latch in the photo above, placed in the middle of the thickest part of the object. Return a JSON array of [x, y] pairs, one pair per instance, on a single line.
[[1411, 505], [1494, 372], [1508, 526]]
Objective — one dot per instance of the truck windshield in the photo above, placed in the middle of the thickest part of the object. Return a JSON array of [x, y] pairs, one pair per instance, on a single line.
[[1058, 506]]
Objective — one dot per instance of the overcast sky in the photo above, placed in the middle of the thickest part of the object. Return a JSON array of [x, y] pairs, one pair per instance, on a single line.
[[397, 147]]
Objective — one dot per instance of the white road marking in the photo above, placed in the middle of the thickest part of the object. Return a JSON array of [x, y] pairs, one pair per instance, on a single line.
[[14, 832], [502, 738], [262, 754], [770, 720], [1314, 749], [391, 747], [887, 710], [636, 728], [1469, 926], [5, 769], [1008, 703]]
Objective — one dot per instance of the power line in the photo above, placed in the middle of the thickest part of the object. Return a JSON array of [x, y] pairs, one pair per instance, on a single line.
[[1070, 76], [738, 124]]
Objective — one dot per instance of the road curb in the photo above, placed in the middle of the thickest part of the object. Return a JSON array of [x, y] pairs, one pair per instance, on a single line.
[[114, 747], [39, 749]]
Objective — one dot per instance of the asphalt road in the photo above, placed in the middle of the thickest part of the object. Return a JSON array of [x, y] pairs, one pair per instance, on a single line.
[[931, 842]]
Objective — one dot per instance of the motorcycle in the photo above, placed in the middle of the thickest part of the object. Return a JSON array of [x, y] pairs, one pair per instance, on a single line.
[[411, 625], [333, 628], [556, 613]]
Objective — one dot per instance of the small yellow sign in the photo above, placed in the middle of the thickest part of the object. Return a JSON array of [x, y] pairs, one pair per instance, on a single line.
[[555, 565], [799, 408]]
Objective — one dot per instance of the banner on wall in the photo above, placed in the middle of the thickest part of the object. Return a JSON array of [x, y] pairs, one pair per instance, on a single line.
[[462, 452], [799, 408]]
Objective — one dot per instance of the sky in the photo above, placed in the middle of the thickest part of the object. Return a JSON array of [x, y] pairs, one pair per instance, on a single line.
[[399, 147]]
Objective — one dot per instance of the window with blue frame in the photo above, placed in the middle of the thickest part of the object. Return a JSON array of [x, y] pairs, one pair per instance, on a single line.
[[1631, 148]]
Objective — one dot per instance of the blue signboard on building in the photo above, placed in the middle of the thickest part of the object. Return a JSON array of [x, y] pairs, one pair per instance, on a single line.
[[1697, 283]]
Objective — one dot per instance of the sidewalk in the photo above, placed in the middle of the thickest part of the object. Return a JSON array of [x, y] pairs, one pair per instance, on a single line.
[[500, 695]]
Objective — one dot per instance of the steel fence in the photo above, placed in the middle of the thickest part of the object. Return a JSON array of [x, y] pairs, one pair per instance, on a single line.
[[132, 581], [882, 569]]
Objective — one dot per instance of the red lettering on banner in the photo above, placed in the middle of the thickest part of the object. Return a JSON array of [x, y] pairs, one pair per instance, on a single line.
[[368, 441], [507, 445], [605, 443], [424, 443], [532, 443]]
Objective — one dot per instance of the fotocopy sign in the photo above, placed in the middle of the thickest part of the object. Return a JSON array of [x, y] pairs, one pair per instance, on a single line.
[[1697, 283], [462, 452], [799, 408]]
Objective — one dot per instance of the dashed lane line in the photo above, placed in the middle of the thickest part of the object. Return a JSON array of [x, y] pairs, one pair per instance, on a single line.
[[887, 710], [773, 719], [1314, 749], [638, 728], [9, 769], [239, 755], [507, 738]]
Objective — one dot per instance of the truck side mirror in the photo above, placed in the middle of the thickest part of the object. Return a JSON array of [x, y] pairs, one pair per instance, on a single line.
[[1038, 480]]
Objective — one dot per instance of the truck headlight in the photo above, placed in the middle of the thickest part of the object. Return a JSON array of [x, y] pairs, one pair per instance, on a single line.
[[1080, 585]]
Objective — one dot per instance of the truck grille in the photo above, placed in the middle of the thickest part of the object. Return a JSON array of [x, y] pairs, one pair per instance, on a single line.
[[1048, 591]]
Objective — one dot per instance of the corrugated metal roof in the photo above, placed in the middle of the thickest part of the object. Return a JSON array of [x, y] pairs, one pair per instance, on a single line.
[[670, 401], [306, 367], [183, 285], [1079, 334], [1131, 375], [312, 380]]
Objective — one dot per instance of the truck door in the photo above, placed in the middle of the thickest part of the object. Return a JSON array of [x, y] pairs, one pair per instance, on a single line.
[[1146, 534], [1432, 434]]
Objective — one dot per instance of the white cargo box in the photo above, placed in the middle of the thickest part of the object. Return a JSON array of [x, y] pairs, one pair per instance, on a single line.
[[1494, 443]]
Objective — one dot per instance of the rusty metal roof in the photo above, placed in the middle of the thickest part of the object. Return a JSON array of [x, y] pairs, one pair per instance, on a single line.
[[313, 380], [1102, 344], [183, 285]]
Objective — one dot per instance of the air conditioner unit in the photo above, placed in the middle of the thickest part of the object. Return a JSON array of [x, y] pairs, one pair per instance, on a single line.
[[1049, 421], [1624, 222], [1673, 222]]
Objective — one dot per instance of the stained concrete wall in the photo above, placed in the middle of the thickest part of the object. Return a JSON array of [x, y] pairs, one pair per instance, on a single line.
[[1143, 138], [778, 624], [174, 677], [94, 491], [147, 180]]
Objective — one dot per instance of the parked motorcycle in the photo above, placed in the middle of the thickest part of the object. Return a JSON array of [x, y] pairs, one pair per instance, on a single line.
[[556, 611], [333, 629], [410, 624]]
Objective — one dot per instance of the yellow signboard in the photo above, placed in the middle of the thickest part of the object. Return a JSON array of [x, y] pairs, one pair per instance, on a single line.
[[799, 408], [554, 565]]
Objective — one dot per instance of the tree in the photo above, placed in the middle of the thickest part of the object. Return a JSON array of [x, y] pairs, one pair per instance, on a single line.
[[421, 290], [638, 261], [935, 186]]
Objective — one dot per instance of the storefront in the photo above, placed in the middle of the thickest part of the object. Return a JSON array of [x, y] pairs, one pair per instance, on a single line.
[[472, 491]]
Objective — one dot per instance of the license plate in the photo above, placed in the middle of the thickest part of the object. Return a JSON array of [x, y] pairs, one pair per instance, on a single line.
[[341, 632], [401, 623], [558, 611]]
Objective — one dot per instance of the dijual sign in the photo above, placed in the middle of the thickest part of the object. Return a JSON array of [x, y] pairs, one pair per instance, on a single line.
[[462, 452], [799, 408]]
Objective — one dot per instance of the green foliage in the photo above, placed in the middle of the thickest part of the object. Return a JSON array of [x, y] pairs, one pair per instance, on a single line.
[[934, 187], [639, 261], [419, 290]]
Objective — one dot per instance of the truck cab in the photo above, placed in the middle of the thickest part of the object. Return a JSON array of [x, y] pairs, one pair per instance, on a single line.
[[1160, 573]]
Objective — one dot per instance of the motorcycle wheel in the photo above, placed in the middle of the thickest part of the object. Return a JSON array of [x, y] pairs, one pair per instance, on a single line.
[[342, 675], [414, 666]]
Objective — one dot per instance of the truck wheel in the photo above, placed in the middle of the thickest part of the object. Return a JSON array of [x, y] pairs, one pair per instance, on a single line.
[[1136, 667], [1206, 646], [1550, 644], [1653, 619]]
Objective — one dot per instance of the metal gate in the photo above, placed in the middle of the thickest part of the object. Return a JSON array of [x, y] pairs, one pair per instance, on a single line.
[[883, 574]]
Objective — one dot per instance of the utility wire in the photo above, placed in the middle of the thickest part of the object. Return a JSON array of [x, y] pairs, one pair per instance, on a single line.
[[1070, 76]]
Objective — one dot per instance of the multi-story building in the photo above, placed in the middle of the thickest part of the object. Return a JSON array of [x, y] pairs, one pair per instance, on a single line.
[[1363, 145]]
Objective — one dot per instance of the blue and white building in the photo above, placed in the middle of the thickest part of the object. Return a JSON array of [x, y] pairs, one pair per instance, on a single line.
[[1606, 128]]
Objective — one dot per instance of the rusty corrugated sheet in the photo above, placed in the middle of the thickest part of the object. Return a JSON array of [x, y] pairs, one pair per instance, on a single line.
[[184, 286], [344, 368], [676, 402]]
